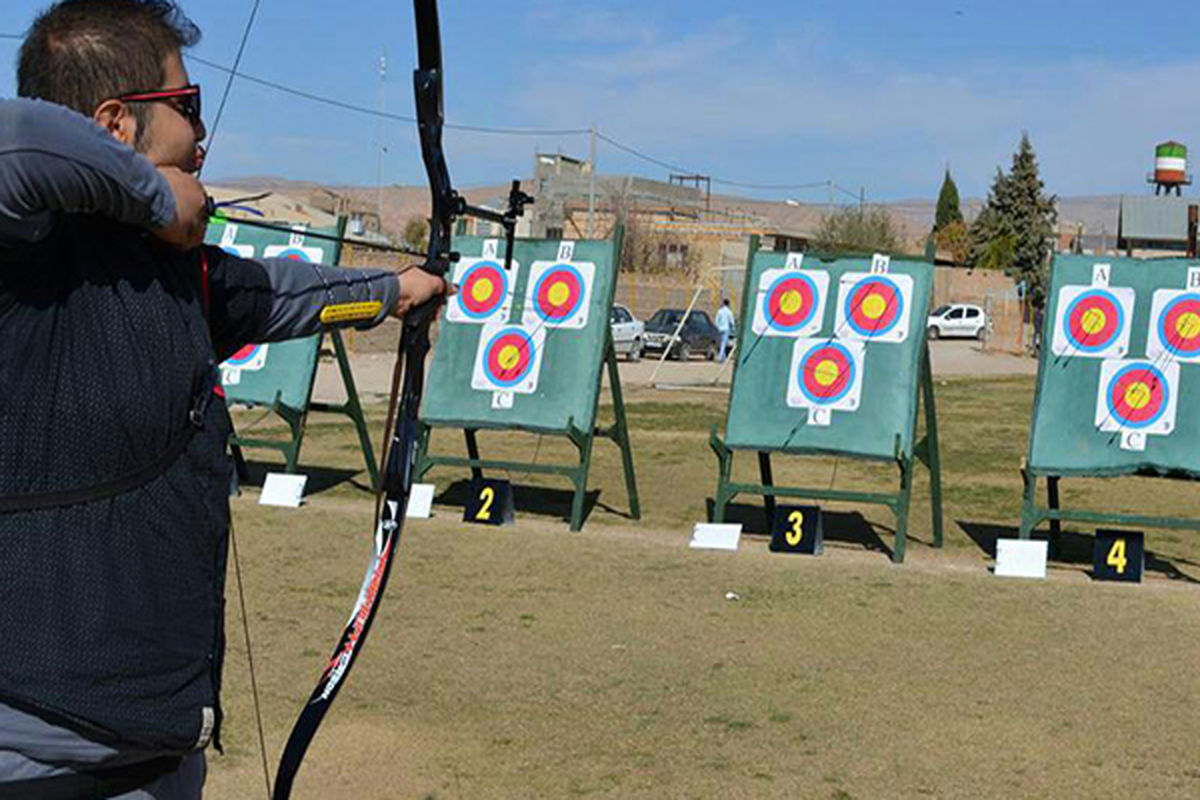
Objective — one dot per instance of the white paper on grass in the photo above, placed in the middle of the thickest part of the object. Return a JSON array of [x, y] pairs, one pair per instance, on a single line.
[[283, 490], [1020, 558], [708, 536], [420, 501]]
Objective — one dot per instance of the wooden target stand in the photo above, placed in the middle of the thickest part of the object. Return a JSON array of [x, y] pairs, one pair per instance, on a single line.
[[583, 440], [926, 452]]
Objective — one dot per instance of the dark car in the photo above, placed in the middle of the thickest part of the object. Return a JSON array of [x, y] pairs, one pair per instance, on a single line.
[[698, 334]]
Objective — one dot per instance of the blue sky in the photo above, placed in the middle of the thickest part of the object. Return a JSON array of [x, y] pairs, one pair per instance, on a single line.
[[880, 95]]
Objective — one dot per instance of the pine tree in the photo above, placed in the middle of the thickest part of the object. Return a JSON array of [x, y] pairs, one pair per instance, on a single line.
[[948, 208], [1015, 230]]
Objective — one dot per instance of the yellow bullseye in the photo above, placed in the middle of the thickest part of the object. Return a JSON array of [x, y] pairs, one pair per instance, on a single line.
[[874, 306], [1093, 321], [510, 356], [791, 302], [1188, 325], [482, 290], [1137, 395], [827, 373], [559, 294]]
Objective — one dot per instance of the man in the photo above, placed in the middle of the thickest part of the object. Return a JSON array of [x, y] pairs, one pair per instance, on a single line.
[[114, 473], [725, 324]]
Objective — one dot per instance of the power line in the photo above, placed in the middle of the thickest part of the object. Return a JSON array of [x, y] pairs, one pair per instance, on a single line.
[[16, 36], [722, 181], [374, 112]]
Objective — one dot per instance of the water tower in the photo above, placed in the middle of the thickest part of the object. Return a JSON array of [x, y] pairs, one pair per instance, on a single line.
[[1170, 169]]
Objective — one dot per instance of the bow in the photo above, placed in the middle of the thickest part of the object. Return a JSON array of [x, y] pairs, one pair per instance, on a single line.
[[400, 461]]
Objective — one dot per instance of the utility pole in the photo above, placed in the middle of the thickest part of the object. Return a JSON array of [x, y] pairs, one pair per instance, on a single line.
[[862, 199], [382, 132], [829, 186], [591, 230]]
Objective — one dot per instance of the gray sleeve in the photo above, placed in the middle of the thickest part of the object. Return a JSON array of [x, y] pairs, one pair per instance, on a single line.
[[301, 293], [54, 160]]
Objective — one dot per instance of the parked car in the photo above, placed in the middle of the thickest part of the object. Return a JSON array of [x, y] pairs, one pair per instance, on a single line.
[[628, 333], [956, 320], [698, 334]]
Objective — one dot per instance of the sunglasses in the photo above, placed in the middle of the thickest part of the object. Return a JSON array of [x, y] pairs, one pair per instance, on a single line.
[[185, 100]]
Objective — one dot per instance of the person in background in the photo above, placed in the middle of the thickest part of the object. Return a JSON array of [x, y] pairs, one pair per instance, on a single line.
[[725, 324]]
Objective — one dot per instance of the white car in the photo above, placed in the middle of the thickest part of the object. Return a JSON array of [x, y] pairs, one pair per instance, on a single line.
[[628, 332], [957, 319]]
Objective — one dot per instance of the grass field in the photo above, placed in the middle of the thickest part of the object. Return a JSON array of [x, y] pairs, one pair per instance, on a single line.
[[533, 662]]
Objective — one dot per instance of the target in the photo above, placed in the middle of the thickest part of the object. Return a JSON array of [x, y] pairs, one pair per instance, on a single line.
[[1175, 326], [239, 250], [509, 358], [1093, 321], [1137, 396], [559, 294], [484, 291], [295, 252], [790, 302], [251, 358], [826, 374], [874, 308]]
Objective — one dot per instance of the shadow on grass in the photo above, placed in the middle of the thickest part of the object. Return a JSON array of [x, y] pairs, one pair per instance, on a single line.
[[1071, 548], [320, 479], [536, 500], [847, 527]]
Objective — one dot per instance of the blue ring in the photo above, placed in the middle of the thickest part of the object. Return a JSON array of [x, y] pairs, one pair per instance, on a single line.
[[528, 366], [537, 290], [825, 401], [848, 310], [1166, 395], [462, 299], [1094, 348]]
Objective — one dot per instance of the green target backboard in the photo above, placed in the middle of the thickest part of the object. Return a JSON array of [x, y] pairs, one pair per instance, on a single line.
[[832, 360], [1119, 375], [279, 372], [829, 355], [522, 348]]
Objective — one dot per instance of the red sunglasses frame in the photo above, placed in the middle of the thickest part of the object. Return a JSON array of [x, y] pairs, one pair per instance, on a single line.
[[189, 96]]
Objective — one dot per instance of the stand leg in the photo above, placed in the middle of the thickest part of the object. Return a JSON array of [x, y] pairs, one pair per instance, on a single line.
[[933, 451], [473, 452], [354, 408], [580, 478], [1028, 504], [901, 509], [621, 431], [764, 469]]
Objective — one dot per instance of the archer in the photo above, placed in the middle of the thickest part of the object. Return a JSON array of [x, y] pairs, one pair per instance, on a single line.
[[114, 471]]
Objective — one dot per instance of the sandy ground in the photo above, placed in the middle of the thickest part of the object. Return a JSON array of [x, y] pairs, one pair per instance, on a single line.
[[373, 371]]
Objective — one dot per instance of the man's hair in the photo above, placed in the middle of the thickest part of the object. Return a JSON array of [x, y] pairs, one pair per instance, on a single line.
[[79, 53]]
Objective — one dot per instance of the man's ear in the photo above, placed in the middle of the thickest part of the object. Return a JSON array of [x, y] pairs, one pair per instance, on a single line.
[[116, 118]]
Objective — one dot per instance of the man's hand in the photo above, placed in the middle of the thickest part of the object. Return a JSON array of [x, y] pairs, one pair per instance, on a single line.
[[416, 288], [186, 231]]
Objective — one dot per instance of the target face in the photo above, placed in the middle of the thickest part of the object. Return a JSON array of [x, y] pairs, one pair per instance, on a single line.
[[239, 250], [1093, 321], [295, 252], [874, 308], [484, 291], [559, 294], [252, 357], [826, 374], [1175, 326], [1137, 396], [790, 302], [509, 358]]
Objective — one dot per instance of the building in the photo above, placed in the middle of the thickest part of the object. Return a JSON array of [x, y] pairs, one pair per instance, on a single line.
[[1158, 226]]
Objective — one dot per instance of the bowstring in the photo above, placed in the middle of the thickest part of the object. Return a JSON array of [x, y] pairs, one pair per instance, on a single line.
[[237, 566]]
